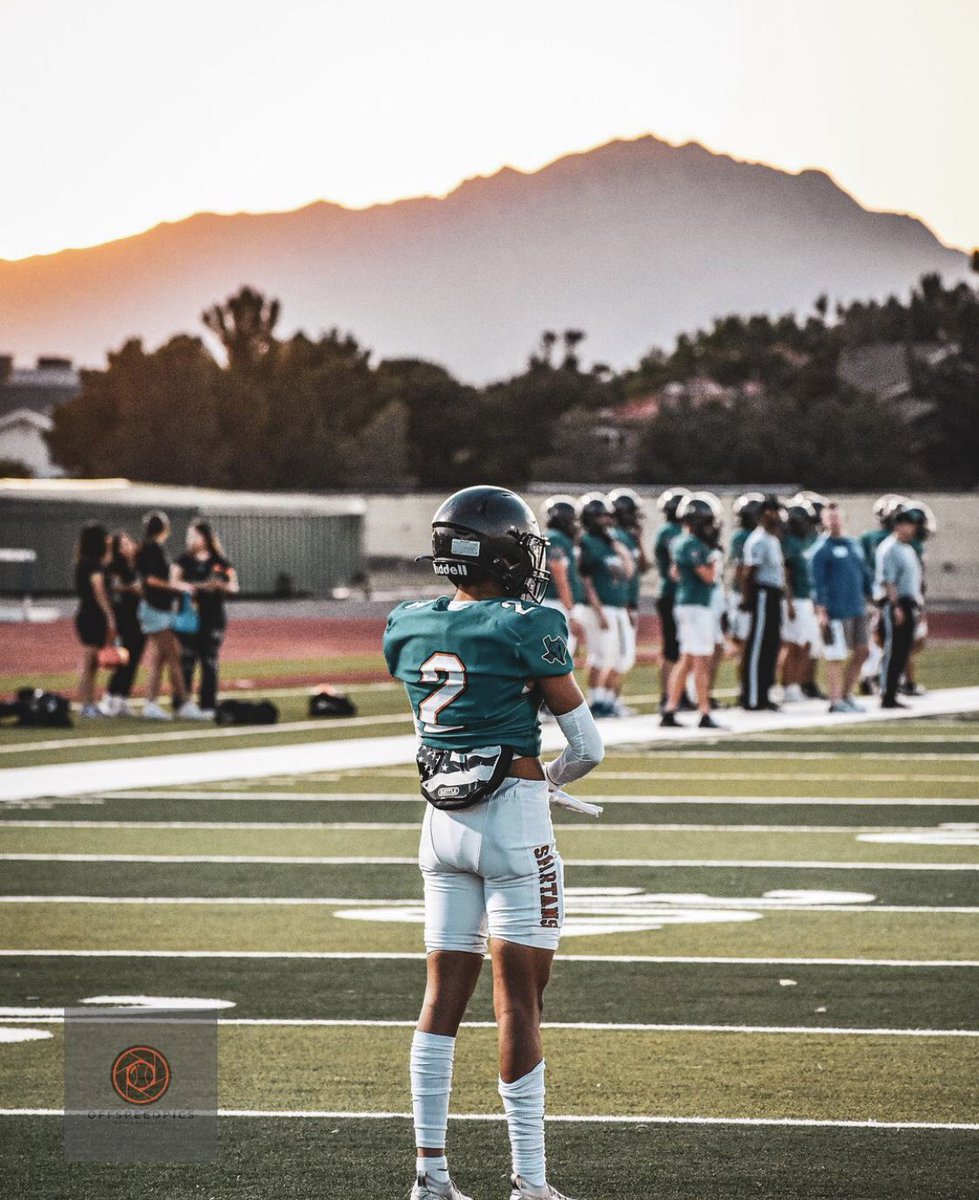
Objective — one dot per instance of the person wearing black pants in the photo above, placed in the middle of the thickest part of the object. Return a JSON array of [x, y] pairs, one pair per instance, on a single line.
[[899, 572], [764, 587], [205, 566], [125, 590]]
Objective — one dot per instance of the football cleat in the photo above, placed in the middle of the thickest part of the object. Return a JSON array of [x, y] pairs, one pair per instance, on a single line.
[[520, 1189], [427, 1189]]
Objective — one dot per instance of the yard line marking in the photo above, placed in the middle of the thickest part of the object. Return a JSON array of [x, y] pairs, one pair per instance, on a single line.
[[416, 798], [102, 775], [590, 1119], [335, 902], [421, 956], [817, 755], [205, 733], [308, 860], [56, 1016], [774, 776], [909, 830]]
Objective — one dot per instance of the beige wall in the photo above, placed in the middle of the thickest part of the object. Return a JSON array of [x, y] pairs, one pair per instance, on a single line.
[[399, 527]]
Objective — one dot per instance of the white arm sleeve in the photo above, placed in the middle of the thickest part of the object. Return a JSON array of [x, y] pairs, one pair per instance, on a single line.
[[583, 752]]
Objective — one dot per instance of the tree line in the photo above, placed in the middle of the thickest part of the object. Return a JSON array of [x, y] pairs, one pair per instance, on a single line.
[[273, 412]]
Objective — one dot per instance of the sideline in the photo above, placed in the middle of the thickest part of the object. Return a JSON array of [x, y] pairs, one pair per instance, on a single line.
[[73, 779]]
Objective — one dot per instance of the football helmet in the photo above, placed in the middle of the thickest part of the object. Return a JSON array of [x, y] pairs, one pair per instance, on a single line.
[[702, 512], [801, 517], [884, 505], [628, 507], [816, 499], [669, 501], [921, 514], [746, 509], [561, 513], [592, 508], [487, 532]]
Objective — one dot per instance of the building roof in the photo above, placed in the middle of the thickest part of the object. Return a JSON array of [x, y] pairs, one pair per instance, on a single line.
[[123, 493], [26, 416], [882, 368]]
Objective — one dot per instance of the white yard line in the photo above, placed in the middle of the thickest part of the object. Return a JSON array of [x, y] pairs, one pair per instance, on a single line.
[[21, 1015], [409, 826], [711, 902], [72, 779], [576, 1119], [205, 732], [420, 956], [415, 798], [393, 860]]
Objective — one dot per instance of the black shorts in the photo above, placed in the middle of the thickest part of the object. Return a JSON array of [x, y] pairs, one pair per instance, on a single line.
[[667, 621], [91, 628]]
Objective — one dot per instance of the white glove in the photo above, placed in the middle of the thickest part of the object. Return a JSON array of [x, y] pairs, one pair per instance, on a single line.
[[563, 800]]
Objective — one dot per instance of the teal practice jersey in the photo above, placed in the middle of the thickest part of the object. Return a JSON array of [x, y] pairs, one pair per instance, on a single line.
[[561, 547], [736, 551], [601, 562], [689, 553], [665, 535], [797, 568], [631, 543], [467, 668], [870, 539]]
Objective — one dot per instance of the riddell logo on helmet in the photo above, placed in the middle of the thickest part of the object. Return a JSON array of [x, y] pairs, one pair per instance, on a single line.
[[547, 875], [451, 569]]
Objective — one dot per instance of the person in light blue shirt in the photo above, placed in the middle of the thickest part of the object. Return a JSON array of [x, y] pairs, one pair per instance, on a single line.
[[841, 590]]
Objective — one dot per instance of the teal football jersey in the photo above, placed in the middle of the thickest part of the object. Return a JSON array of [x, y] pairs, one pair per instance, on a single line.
[[738, 539], [467, 668], [870, 539], [689, 553], [601, 562], [797, 567], [560, 546], [665, 535], [631, 542]]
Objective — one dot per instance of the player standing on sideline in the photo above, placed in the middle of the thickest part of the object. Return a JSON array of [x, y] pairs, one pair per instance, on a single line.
[[476, 668], [695, 574], [927, 526], [764, 587], [564, 591], [841, 585], [884, 510], [718, 606], [667, 504], [810, 687], [801, 637], [899, 573], [629, 527], [746, 514], [607, 569]]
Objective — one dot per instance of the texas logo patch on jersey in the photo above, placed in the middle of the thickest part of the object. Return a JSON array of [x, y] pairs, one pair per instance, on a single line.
[[555, 650]]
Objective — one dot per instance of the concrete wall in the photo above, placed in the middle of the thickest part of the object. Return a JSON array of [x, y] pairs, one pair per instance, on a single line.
[[399, 527]]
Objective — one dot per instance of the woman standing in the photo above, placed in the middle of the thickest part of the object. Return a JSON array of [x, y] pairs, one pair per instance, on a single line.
[[477, 667], [125, 590], [160, 588], [205, 566], [94, 621]]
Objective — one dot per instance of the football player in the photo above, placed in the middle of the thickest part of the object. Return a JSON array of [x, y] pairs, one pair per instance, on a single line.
[[884, 509], [899, 573], [695, 573], [629, 527], [764, 589], [667, 504], [801, 636], [476, 666], [746, 515], [607, 568], [564, 591], [926, 528]]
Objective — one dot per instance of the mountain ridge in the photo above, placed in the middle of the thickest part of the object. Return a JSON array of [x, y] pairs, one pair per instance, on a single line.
[[633, 241]]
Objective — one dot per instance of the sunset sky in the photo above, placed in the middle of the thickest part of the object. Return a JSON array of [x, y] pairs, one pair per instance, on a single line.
[[118, 114]]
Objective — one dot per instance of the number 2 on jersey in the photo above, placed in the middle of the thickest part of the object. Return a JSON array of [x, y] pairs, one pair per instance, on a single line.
[[449, 671]]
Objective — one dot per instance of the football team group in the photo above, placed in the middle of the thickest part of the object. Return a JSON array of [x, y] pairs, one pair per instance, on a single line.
[[791, 590]]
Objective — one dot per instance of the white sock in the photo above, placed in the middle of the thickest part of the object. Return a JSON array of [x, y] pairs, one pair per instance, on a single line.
[[523, 1102], [593, 695], [435, 1168], [431, 1083]]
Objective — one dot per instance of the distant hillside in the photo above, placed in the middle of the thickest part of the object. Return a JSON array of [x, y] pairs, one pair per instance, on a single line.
[[632, 242]]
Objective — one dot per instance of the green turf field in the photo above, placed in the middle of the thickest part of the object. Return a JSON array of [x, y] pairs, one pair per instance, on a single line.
[[770, 950]]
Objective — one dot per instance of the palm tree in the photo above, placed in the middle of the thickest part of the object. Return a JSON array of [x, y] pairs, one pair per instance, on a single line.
[[245, 326]]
